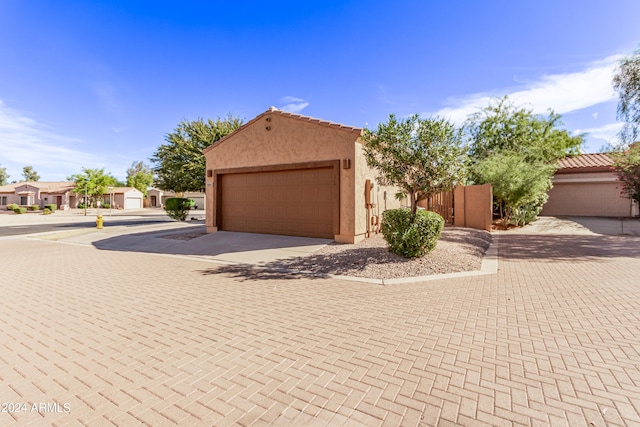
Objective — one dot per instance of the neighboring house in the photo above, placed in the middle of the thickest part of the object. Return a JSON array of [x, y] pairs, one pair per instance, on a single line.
[[61, 194], [284, 173], [586, 185], [37, 193], [125, 198], [157, 197]]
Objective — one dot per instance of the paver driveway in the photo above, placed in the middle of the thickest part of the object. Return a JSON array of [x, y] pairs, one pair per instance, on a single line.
[[123, 339]]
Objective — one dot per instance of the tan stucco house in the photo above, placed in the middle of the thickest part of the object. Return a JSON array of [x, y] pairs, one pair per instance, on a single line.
[[284, 173], [124, 198], [157, 197], [586, 185], [37, 193], [60, 193]]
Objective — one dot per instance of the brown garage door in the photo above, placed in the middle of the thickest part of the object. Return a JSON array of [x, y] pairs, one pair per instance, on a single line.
[[297, 202]]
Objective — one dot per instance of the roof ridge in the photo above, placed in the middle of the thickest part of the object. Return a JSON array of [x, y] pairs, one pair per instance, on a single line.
[[296, 116]]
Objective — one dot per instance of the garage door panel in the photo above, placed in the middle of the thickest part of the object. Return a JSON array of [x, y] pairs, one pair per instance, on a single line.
[[586, 199], [293, 202]]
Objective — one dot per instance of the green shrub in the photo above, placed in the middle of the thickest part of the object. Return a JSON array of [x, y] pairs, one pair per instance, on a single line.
[[34, 208], [410, 235], [177, 208], [52, 207], [106, 206], [80, 205], [20, 210], [46, 211], [12, 207]]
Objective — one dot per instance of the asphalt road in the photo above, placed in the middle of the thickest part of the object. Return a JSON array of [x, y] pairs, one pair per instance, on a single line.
[[16, 230]]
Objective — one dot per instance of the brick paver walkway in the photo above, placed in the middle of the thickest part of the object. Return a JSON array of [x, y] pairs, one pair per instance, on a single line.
[[110, 338]]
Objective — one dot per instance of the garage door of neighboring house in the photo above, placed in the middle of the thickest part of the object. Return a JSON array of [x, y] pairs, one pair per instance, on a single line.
[[294, 202], [581, 199], [131, 203]]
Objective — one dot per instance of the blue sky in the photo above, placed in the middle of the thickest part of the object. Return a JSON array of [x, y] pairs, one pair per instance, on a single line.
[[100, 83]]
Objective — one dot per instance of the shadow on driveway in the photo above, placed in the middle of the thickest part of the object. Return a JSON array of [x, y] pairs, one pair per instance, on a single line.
[[238, 248], [567, 247]]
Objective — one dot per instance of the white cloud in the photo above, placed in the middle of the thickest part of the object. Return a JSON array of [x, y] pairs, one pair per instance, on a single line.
[[608, 132], [293, 104], [23, 141], [563, 93]]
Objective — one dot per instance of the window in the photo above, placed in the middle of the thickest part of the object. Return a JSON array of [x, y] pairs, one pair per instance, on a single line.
[[26, 200], [3, 200]]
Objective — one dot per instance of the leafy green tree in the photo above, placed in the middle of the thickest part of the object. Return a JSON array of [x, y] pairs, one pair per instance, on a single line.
[[516, 151], [626, 165], [519, 186], [29, 174], [93, 182], [4, 176], [626, 81], [421, 156], [179, 163], [140, 176], [502, 126]]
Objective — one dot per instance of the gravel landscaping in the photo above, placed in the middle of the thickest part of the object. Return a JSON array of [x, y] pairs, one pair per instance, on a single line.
[[459, 249]]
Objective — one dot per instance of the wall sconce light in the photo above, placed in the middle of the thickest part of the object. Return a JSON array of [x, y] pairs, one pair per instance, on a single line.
[[346, 164]]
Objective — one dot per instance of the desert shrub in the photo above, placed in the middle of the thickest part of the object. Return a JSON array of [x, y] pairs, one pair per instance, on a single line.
[[177, 208], [519, 186], [12, 207], [34, 208], [20, 210], [410, 235], [51, 206], [46, 211]]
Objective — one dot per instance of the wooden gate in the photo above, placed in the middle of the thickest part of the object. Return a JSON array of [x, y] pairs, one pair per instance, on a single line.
[[442, 204]]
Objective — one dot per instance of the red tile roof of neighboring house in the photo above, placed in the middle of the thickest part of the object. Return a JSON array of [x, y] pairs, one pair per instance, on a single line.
[[598, 162]]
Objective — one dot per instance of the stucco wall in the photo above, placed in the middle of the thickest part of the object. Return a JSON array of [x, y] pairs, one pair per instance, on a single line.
[[473, 206], [587, 194], [383, 197], [288, 140]]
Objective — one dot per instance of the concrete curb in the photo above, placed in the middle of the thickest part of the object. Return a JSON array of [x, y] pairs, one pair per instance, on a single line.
[[489, 266]]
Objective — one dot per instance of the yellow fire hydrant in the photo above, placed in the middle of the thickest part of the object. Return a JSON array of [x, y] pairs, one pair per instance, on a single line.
[[99, 222]]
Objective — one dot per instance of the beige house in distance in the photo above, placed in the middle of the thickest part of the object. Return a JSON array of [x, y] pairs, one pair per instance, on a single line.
[[284, 173], [123, 198], [157, 198], [585, 185], [60, 193], [37, 193]]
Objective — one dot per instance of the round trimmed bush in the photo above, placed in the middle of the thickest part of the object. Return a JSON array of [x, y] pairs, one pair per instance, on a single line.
[[410, 235], [177, 208]]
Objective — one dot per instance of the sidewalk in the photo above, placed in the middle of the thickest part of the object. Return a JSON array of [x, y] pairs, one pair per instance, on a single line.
[[77, 215]]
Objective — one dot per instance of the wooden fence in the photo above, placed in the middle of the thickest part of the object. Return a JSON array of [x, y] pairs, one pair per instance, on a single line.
[[441, 203]]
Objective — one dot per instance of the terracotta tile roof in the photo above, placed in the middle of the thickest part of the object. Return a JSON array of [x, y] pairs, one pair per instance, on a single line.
[[598, 162], [275, 111]]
